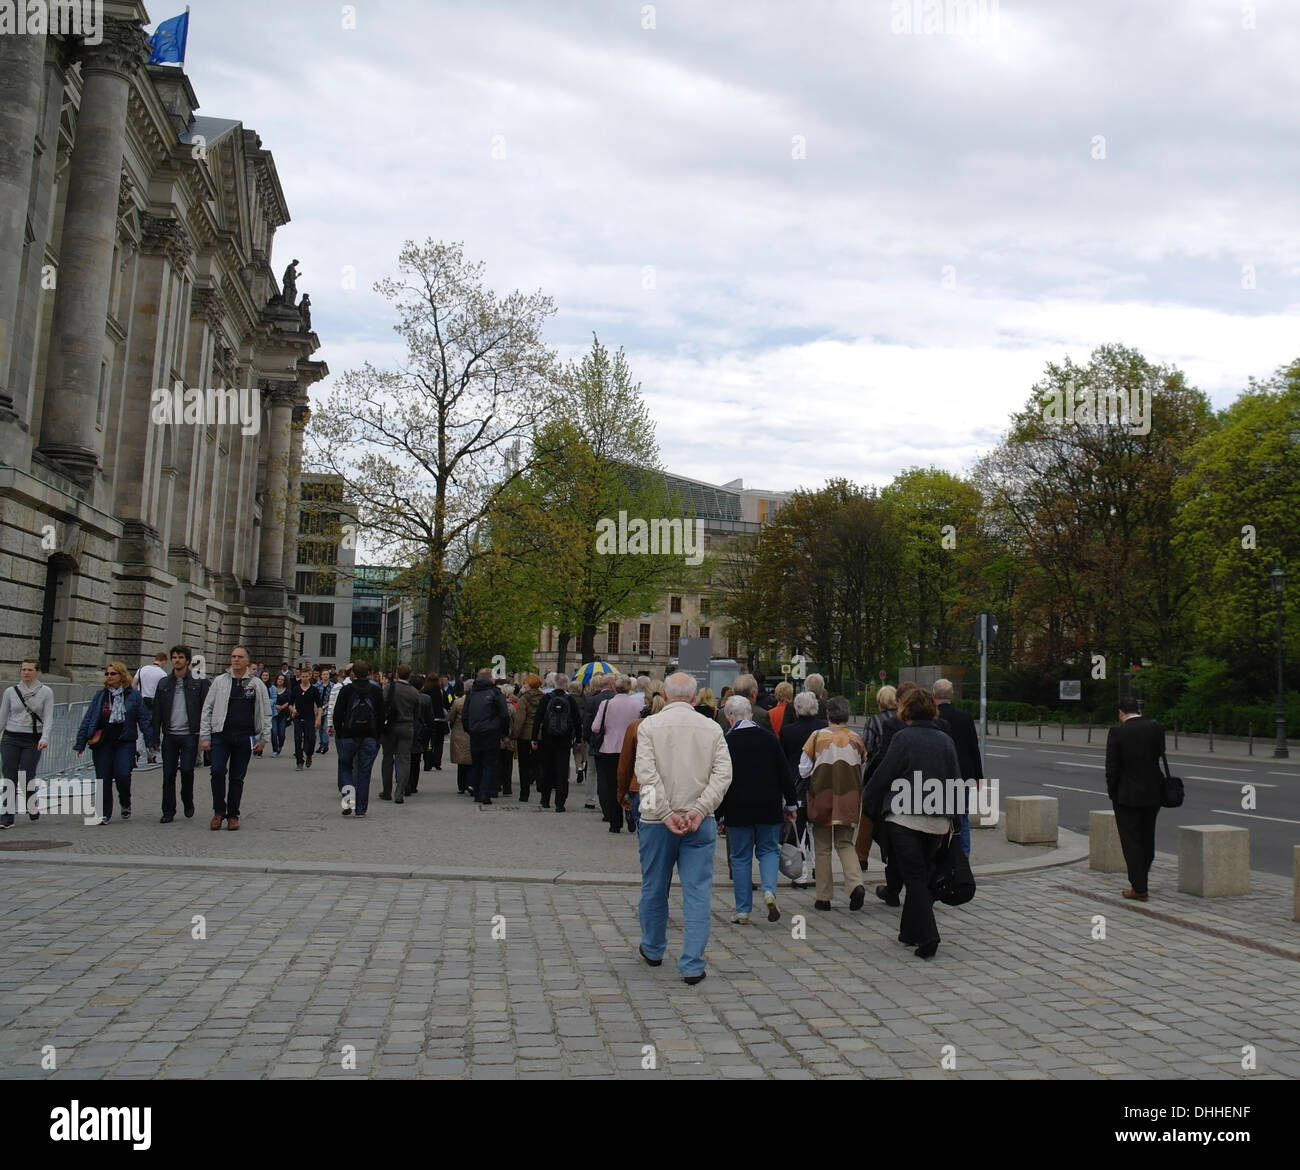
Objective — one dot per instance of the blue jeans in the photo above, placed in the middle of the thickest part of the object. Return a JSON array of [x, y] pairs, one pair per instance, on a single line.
[[744, 840], [324, 743], [965, 833], [113, 764], [634, 813], [278, 724], [356, 758], [692, 854]]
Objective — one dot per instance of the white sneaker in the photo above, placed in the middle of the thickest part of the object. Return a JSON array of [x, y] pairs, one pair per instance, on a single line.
[[740, 919]]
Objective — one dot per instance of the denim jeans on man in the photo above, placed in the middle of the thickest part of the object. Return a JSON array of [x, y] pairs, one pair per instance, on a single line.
[[230, 754], [692, 854], [483, 750], [356, 758], [182, 751], [744, 841]]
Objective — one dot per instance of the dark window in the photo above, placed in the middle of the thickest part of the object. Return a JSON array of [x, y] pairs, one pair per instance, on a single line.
[[612, 647], [315, 613], [674, 640], [643, 639], [328, 645], [674, 605]]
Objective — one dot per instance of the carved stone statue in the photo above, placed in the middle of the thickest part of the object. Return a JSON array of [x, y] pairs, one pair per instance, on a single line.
[[290, 283], [304, 311]]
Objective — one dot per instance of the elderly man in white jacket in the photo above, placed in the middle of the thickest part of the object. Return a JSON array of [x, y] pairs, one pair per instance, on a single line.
[[684, 769]]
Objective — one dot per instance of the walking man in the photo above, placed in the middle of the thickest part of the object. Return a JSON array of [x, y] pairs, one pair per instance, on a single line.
[[684, 770], [557, 727], [356, 717], [961, 729], [401, 707], [1135, 784], [487, 719], [305, 705], [237, 709], [177, 714], [146, 682]]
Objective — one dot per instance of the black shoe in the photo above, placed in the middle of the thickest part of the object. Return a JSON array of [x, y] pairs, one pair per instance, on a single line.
[[189, 810], [126, 814], [399, 799], [559, 808], [882, 892], [545, 804], [926, 950], [523, 799], [167, 818], [648, 959], [324, 751], [615, 830], [857, 898], [821, 905], [309, 761], [34, 816], [385, 796], [694, 979], [347, 812], [488, 801]]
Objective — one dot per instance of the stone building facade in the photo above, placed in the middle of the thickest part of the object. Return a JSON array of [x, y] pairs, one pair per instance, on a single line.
[[135, 256]]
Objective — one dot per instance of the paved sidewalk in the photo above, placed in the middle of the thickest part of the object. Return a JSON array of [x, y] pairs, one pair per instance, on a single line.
[[297, 972], [356, 974]]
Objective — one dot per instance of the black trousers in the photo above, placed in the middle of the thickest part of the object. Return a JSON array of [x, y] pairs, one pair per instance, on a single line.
[[912, 853], [20, 754], [1137, 837], [552, 762], [607, 789], [527, 767], [182, 751], [433, 754]]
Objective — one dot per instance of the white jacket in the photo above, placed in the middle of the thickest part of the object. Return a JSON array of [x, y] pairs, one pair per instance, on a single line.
[[213, 718], [682, 763]]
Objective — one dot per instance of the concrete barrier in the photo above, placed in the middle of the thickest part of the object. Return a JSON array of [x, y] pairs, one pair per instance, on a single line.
[[1213, 860], [1104, 851], [1032, 820]]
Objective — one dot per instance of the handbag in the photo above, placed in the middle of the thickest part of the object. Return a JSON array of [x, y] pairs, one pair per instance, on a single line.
[[793, 858], [1171, 795], [951, 880]]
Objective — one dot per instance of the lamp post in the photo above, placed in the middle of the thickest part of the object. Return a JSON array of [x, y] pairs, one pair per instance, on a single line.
[[1280, 751]]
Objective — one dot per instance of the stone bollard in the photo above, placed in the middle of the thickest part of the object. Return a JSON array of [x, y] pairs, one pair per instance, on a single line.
[[1032, 820], [1295, 865], [1213, 860], [1104, 851]]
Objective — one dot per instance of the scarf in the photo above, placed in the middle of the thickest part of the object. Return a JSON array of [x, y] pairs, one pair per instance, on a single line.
[[117, 699]]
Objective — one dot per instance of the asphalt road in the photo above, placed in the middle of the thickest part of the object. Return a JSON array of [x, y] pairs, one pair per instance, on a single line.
[[1075, 775]]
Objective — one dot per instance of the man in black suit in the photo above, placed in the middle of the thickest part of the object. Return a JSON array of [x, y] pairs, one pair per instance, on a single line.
[[961, 729], [1136, 788]]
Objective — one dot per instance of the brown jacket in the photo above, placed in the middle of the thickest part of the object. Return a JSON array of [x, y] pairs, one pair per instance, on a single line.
[[627, 781], [460, 751]]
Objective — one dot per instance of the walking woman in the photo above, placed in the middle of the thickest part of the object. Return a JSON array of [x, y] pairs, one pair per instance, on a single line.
[[832, 764], [115, 717], [280, 703], [521, 729], [911, 839], [26, 715], [461, 754]]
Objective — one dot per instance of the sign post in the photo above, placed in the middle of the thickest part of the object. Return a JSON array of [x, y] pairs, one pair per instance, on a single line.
[[986, 629]]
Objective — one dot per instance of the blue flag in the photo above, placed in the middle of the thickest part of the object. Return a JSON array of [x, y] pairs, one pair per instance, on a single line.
[[168, 41]]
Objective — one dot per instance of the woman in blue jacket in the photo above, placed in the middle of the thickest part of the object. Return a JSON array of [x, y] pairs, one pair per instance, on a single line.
[[116, 715]]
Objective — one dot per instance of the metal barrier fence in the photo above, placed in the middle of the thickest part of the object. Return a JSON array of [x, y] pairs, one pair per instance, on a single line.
[[58, 759]]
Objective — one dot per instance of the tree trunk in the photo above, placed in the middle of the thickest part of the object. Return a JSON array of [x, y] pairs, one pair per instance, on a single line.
[[587, 644], [562, 654], [435, 607]]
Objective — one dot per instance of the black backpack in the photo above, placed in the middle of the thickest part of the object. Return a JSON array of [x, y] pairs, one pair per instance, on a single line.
[[559, 721], [363, 715]]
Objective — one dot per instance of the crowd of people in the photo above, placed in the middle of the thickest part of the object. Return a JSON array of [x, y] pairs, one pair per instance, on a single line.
[[675, 767]]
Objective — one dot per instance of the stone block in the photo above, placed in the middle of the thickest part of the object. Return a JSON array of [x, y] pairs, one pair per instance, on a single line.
[[1032, 820], [1213, 860], [1104, 852]]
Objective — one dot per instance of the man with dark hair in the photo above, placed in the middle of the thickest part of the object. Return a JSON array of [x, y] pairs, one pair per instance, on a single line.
[[402, 704], [961, 728], [1135, 785], [305, 706], [487, 719], [437, 693], [357, 716], [176, 715]]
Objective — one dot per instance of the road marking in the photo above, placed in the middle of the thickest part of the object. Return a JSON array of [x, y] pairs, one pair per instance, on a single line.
[[1227, 812], [1067, 788], [1234, 783], [1072, 764], [1050, 752], [1002, 755], [1220, 767], [1292, 775]]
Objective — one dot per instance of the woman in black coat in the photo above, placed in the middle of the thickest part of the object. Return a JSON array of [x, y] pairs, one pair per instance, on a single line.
[[758, 800], [911, 838]]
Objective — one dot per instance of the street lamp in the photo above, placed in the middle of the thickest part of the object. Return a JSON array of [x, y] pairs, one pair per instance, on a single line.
[[1280, 751]]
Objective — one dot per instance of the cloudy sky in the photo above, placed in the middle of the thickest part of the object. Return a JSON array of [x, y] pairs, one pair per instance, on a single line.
[[829, 245]]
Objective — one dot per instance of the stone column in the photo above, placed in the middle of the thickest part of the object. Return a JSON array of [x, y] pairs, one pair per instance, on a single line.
[[68, 433], [270, 559], [301, 413], [22, 64]]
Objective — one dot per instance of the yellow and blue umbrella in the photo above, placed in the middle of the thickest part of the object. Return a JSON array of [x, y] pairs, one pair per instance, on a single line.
[[588, 669]]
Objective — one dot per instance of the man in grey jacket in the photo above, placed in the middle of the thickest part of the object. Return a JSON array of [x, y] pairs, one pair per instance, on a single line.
[[401, 705], [237, 709]]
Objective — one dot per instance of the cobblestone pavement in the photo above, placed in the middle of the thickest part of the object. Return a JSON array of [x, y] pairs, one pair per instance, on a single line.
[[298, 975]]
